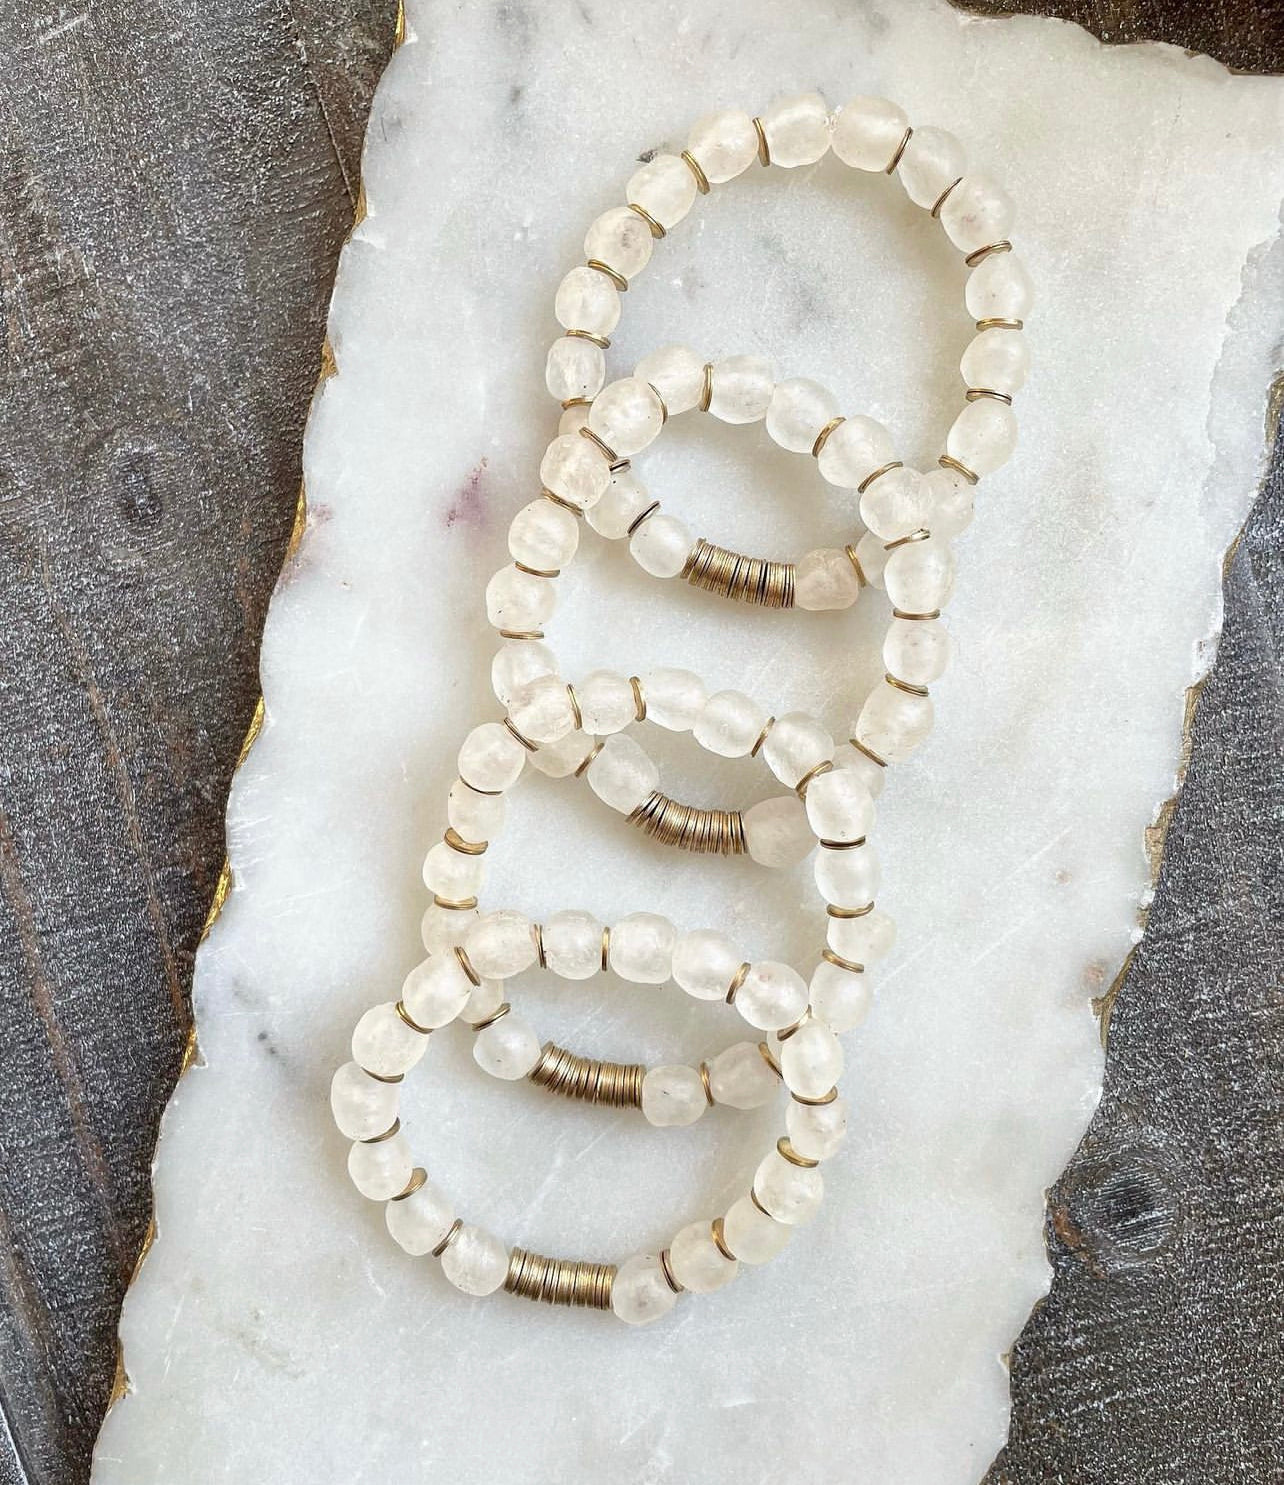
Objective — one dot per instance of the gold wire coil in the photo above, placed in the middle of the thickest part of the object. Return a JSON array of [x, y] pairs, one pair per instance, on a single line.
[[517, 634], [908, 687], [900, 150], [456, 842], [998, 323], [456, 905], [981, 253], [900, 613], [657, 231], [497, 1015], [693, 165], [878, 474], [785, 1146], [757, 580], [691, 827], [975, 394], [559, 1281], [618, 1085], [837, 912], [943, 198]]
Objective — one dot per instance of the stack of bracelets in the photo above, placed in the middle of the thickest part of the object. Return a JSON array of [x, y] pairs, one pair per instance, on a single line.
[[585, 729]]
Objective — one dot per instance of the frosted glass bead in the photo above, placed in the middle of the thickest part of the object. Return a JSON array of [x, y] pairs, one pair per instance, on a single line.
[[542, 711], [573, 418], [661, 545], [573, 944], [441, 928], [776, 831], [847, 878], [997, 360], [516, 662], [917, 650], [868, 132], [932, 162], [892, 723], [724, 145], [895, 504], [476, 1261], [797, 412], [697, 1263], [839, 806], [771, 995], [500, 944], [919, 576], [976, 213], [382, 1170], [983, 436], [952, 500], [664, 188], [825, 579], [741, 1078], [362, 1106], [640, 1293], [729, 724], [383, 1044], [587, 300], [795, 745], [840, 998], [606, 702], [451, 874], [741, 388], [676, 373], [560, 759], [620, 239], [750, 1234], [641, 948], [419, 1221], [477, 817], [627, 416], [491, 758], [543, 535], [811, 1060], [482, 1003], [625, 499], [574, 367], [791, 1193], [872, 556], [853, 451], [507, 1048], [705, 962], [817, 1130], [576, 469], [674, 698], [797, 130], [999, 288], [851, 760], [435, 991], [672, 1096], [864, 940], [519, 600], [622, 775]]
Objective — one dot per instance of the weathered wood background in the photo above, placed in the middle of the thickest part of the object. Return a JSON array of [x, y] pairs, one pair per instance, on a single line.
[[176, 186]]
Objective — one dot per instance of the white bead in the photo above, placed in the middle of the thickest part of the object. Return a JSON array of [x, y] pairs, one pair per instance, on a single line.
[[560, 760], [661, 545], [674, 698], [362, 1106], [952, 499], [507, 1048], [868, 132], [542, 711], [872, 556], [576, 469], [799, 409], [847, 878], [641, 948], [864, 940], [620, 239], [383, 1044], [729, 724], [825, 579], [977, 213], [639, 1292], [477, 817], [606, 702], [797, 130], [919, 576], [892, 723], [999, 288], [776, 831], [627, 416], [419, 1221], [518, 600], [741, 388], [917, 651], [817, 1130], [704, 963], [771, 995], [796, 744], [500, 944], [997, 360], [573, 945], [452, 874], [811, 1060], [587, 300], [741, 1078], [543, 535], [442, 928], [622, 775], [791, 1193], [516, 662], [839, 806], [751, 1235], [932, 162], [676, 373], [672, 1096], [853, 451], [983, 436], [435, 991], [382, 1170], [697, 1263], [491, 758], [625, 499], [574, 367], [895, 504], [482, 1003], [873, 775], [839, 997], [476, 1261], [573, 418], [724, 145], [664, 188]]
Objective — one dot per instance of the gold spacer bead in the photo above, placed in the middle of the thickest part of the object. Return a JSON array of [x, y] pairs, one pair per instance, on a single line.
[[837, 912], [499, 1013], [738, 979], [557, 499], [575, 707], [521, 737], [981, 253], [639, 699], [901, 541], [843, 845], [612, 458], [769, 1057], [537, 933], [466, 964], [417, 1178], [785, 1146], [618, 279], [786, 1032], [762, 737], [908, 687], [570, 402], [839, 962], [598, 340], [1000, 324], [456, 842], [822, 438], [855, 562], [517, 634], [719, 1236], [900, 150], [816, 1103], [657, 231], [868, 752], [378, 1139], [645, 516], [382, 1078], [545, 572], [410, 1020], [706, 391], [693, 165], [670, 1278], [589, 757], [449, 1238], [764, 149], [975, 394], [898, 613], [878, 474], [943, 198], [463, 905], [753, 1197], [800, 788], [947, 461], [704, 1079], [606, 948]]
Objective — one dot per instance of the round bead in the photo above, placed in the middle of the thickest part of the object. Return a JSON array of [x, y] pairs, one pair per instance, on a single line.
[[704, 963], [500, 944], [418, 1222], [839, 806], [622, 775], [542, 711], [362, 1106], [383, 1044], [639, 1292], [839, 997], [771, 995], [507, 1048], [729, 724], [606, 702], [641, 948], [892, 723], [576, 469], [797, 130], [482, 1003], [724, 145], [476, 1262], [864, 940], [676, 373], [664, 188], [776, 831], [573, 944], [697, 1262], [919, 576], [587, 300], [797, 413], [543, 535], [625, 499], [741, 388], [997, 360], [999, 288], [868, 132], [674, 698], [575, 367], [977, 213], [626, 416], [382, 1170], [791, 1193], [983, 436], [517, 662], [435, 991], [620, 239], [853, 451], [816, 1130], [741, 1077], [952, 501], [477, 817], [518, 600], [932, 162], [673, 1096], [559, 760], [895, 504], [851, 760], [491, 758], [847, 878], [825, 579], [751, 1235], [811, 1060], [661, 545], [452, 874], [917, 650], [573, 418], [441, 928], [796, 744]]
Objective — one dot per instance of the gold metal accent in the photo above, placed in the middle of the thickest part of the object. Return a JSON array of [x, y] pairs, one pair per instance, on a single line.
[[738, 979], [616, 1085], [920, 535], [816, 1103], [657, 231], [878, 474], [898, 613], [943, 198], [497, 1015], [666, 1267], [611, 456], [460, 905], [704, 1082], [718, 1233], [900, 150], [466, 964], [618, 279], [837, 912], [706, 391], [410, 1020], [785, 1146], [1000, 324], [521, 634], [981, 253], [822, 438], [570, 402], [855, 562], [762, 737], [589, 757], [947, 461], [575, 707], [690, 827], [598, 340], [761, 581], [907, 686], [537, 933], [753, 1197], [868, 752], [565, 504], [456, 842], [664, 406], [839, 962], [800, 788], [450, 1237], [378, 1139], [975, 394], [521, 738], [560, 1281], [417, 1178], [606, 947], [380, 1078], [764, 149], [786, 1032], [769, 1057], [645, 516], [544, 572], [693, 165], [639, 699], [843, 845]]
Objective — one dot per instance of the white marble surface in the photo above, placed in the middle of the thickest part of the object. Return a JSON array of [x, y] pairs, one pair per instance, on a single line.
[[275, 1333]]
